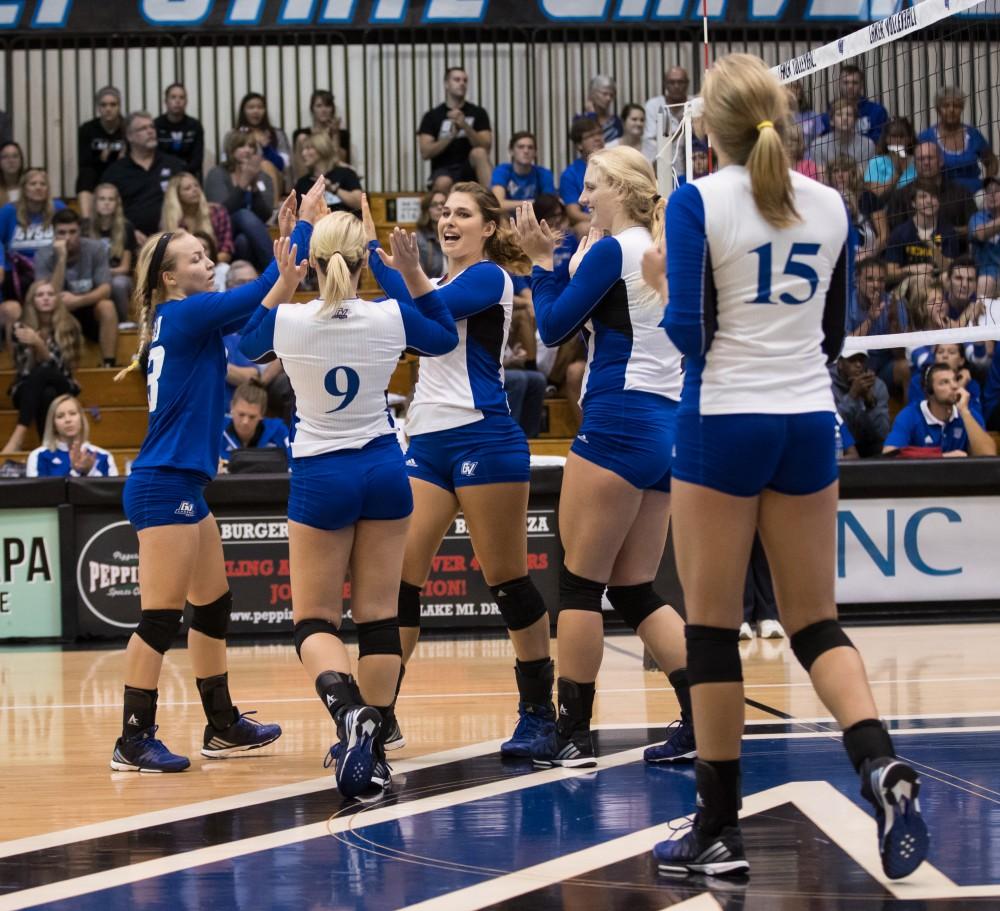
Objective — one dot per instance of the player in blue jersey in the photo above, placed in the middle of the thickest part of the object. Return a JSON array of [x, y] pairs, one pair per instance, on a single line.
[[181, 326], [350, 500], [614, 508], [467, 453], [759, 270]]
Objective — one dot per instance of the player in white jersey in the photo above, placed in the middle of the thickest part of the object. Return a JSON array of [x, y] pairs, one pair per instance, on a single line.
[[758, 266], [614, 508], [466, 451], [349, 501]]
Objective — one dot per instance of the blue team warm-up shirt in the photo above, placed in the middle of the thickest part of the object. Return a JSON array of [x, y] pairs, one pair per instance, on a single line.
[[916, 426], [523, 186], [272, 433], [55, 463], [186, 375]]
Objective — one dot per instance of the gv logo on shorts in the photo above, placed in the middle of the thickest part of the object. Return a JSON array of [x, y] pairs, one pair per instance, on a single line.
[[185, 509], [469, 469]]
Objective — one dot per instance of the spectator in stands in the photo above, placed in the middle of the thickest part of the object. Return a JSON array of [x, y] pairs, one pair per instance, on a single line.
[[110, 226], [961, 279], [66, 450], [221, 273], [875, 312], [952, 355], [79, 268], [47, 348], [521, 179], [962, 146], [868, 219], [186, 206], [924, 244], [428, 242], [11, 172], [587, 138], [926, 304], [943, 420], [177, 133], [456, 136], [984, 237], [275, 150], [957, 206], [862, 401], [247, 428], [870, 116], [806, 119], [100, 143], [699, 158], [844, 140], [25, 228], [323, 109], [525, 388], [795, 145], [247, 193], [601, 94], [892, 167], [319, 156], [675, 94], [634, 128], [142, 175]]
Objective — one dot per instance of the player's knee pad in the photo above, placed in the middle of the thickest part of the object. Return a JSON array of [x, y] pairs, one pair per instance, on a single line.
[[577, 593], [713, 655], [520, 602], [812, 641], [634, 602], [212, 619], [159, 628], [309, 627], [409, 605], [379, 637]]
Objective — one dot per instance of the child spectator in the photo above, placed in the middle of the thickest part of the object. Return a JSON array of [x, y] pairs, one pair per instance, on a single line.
[[247, 428], [66, 450], [893, 166], [110, 226], [47, 348]]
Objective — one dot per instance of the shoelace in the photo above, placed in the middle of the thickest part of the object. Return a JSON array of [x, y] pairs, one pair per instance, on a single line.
[[685, 825], [331, 757]]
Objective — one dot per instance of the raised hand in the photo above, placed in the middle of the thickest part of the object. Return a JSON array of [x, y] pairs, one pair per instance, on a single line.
[[314, 206], [81, 460], [366, 219], [290, 270], [405, 253], [593, 236], [287, 215], [536, 238]]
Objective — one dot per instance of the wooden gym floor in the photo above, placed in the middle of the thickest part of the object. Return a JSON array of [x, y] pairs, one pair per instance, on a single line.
[[463, 830]]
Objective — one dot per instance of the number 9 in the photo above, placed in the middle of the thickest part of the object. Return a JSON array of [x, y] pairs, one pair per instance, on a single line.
[[347, 392]]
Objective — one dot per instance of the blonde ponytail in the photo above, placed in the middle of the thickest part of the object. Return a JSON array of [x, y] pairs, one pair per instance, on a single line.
[[746, 111], [338, 246]]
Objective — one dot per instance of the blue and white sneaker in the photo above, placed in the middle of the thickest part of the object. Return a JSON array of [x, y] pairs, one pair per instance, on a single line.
[[243, 734], [354, 755], [696, 852], [892, 787], [576, 752], [533, 723], [144, 753], [678, 747], [381, 770]]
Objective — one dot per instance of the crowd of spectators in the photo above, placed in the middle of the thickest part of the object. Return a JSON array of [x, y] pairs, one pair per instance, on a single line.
[[924, 210]]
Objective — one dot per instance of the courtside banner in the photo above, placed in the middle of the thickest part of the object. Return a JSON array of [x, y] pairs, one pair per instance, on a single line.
[[934, 549], [233, 16], [29, 574]]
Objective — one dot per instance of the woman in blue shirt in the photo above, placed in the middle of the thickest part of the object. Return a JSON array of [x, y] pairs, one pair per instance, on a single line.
[[962, 146]]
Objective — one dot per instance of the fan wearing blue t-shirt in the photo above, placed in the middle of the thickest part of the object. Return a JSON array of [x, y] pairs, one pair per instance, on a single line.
[[945, 420], [247, 428], [984, 234], [521, 179], [587, 138]]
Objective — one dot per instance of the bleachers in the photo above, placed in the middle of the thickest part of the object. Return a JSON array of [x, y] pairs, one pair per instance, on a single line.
[[117, 411]]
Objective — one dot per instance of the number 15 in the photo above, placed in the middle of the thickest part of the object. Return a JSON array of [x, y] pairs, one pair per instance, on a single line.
[[798, 269]]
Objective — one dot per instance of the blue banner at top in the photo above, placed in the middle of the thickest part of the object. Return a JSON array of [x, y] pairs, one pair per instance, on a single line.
[[131, 16]]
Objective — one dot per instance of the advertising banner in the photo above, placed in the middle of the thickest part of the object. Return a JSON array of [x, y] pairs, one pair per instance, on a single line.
[[235, 16], [255, 548], [29, 574], [933, 549]]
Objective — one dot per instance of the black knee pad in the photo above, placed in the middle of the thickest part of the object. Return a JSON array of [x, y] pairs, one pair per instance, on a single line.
[[634, 602], [713, 655], [159, 628], [409, 605], [577, 593], [811, 641], [520, 602], [309, 627], [212, 619], [379, 637]]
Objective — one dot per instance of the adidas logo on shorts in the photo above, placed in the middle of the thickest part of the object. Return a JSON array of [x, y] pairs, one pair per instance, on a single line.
[[185, 509], [469, 469], [582, 437], [412, 463]]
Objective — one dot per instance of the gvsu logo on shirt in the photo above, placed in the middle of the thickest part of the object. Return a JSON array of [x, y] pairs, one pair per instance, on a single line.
[[469, 469]]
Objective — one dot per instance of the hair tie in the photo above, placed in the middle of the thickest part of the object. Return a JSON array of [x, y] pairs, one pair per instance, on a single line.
[[764, 124], [156, 261]]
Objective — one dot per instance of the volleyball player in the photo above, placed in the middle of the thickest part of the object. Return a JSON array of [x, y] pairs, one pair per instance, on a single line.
[[466, 451], [614, 507], [181, 326], [350, 500], [759, 271]]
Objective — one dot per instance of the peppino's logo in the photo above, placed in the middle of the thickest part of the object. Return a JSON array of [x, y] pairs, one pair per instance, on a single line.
[[107, 575]]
